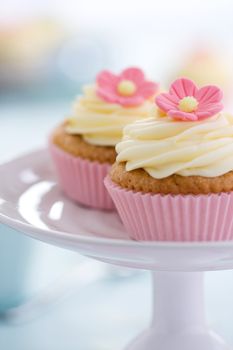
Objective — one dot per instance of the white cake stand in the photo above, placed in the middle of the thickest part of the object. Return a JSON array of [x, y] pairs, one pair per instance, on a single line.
[[31, 202]]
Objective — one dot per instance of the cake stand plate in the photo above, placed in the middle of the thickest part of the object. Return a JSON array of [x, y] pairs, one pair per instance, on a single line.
[[31, 202]]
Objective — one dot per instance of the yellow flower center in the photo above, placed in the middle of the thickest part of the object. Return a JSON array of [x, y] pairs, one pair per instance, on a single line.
[[188, 104], [126, 88]]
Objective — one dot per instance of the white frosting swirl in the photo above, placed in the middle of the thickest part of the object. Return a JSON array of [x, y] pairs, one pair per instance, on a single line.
[[162, 146], [102, 123]]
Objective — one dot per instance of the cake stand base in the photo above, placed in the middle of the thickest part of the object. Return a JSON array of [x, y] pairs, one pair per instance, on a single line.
[[179, 321], [193, 340]]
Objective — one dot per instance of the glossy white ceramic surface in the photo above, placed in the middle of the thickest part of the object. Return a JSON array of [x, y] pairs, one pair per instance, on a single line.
[[31, 202]]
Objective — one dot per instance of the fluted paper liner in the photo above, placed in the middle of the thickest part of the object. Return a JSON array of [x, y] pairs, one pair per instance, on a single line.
[[156, 217], [81, 179]]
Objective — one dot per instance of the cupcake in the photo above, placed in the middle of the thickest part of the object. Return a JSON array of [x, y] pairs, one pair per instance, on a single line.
[[173, 175], [83, 147]]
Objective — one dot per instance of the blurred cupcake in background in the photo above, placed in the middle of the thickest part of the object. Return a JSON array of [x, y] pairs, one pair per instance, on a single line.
[[204, 66], [26, 50], [83, 147]]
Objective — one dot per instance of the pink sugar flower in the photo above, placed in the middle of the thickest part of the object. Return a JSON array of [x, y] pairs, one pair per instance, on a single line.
[[188, 103], [127, 89]]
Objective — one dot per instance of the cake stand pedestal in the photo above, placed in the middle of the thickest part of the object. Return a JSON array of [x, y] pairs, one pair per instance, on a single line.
[[31, 202], [178, 321]]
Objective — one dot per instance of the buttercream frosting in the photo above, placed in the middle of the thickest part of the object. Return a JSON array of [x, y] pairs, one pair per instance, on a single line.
[[163, 146], [101, 122]]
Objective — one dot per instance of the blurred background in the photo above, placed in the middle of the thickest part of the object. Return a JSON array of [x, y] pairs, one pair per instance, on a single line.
[[48, 50]]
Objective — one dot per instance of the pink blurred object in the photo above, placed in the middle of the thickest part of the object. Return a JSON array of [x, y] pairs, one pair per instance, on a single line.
[[134, 91], [197, 104], [81, 179], [155, 217]]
